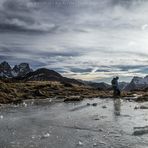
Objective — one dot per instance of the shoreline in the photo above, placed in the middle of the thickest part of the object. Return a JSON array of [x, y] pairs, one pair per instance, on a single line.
[[16, 93]]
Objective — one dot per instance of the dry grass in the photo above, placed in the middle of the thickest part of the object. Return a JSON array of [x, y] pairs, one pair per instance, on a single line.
[[16, 92]]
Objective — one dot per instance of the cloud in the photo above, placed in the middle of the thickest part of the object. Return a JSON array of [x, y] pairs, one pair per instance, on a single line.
[[21, 16], [90, 39]]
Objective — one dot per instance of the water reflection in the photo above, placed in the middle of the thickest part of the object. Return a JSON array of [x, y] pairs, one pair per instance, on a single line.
[[117, 107]]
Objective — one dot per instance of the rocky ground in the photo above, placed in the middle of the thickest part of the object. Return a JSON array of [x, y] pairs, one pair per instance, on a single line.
[[17, 92]]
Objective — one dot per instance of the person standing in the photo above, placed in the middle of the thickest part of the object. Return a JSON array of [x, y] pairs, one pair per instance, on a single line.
[[115, 87]]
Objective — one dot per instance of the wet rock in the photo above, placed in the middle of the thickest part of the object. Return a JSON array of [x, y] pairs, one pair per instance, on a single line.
[[96, 119], [141, 107], [140, 131], [100, 130], [103, 117], [94, 104], [136, 107], [88, 104], [104, 106], [142, 98]]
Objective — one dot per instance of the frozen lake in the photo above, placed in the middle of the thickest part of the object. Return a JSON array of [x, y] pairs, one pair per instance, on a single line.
[[110, 124]]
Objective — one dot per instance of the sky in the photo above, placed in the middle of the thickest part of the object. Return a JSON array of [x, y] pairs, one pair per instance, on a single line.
[[92, 40]]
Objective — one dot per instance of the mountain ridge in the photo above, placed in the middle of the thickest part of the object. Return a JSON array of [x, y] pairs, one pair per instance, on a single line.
[[23, 72]]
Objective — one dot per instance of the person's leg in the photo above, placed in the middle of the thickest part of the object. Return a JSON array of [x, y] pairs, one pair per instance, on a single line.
[[118, 92], [115, 91]]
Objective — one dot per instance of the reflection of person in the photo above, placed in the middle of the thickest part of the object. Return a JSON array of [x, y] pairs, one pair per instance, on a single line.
[[117, 107], [115, 86]]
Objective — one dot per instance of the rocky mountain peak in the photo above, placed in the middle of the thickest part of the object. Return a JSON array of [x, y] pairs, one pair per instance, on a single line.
[[137, 80], [5, 70], [5, 65], [18, 70], [21, 69], [137, 83]]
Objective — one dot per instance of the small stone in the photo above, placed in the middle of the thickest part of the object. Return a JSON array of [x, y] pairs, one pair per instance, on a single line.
[[143, 107], [136, 107], [88, 104], [94, 104], [100, 130], [96, 119], [104, 106]]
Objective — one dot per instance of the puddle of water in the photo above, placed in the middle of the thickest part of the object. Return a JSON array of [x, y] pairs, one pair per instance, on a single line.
[[107, 123]]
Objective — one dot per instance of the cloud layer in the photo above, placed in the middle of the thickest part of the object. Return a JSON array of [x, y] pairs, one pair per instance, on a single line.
[[90, 40]]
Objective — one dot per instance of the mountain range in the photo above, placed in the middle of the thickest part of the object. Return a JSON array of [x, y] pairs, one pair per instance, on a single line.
[[18, 70], [137, 83], [23, 72]]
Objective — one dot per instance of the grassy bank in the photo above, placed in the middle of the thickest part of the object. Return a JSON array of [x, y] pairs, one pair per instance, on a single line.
[[17, 92]]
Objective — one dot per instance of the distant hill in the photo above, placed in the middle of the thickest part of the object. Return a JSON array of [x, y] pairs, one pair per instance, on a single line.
[[99, 86], [44, 74], [123, 85]]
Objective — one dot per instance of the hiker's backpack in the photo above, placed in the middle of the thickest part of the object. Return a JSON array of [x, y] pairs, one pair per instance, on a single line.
[[113, 82]]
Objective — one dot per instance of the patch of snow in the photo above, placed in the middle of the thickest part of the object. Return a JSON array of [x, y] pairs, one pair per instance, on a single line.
[[46, 135], [24, 104], [1, 117], [14, 74], [95, 144], [80, 143]]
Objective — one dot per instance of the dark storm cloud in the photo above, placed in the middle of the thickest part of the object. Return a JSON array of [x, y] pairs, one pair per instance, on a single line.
[[80, 70], [130, 67], [20, 16], [50, 15], [16, 6], [25, 29]]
